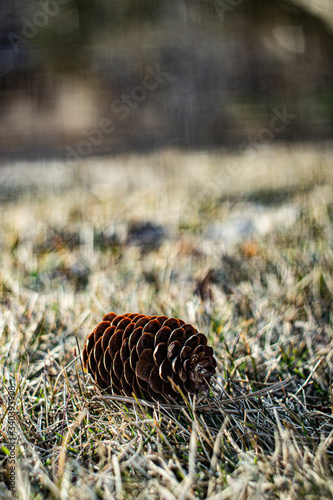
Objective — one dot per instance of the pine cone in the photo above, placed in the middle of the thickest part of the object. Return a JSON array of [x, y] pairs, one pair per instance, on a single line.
[[148, 356]]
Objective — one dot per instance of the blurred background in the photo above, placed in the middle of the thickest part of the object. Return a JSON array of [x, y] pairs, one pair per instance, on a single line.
[[81, 78]]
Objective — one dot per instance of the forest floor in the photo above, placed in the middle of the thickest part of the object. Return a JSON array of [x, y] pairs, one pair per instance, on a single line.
[[239, 246]]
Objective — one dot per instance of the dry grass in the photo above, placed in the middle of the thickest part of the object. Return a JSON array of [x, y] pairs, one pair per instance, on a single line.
[[265, 302]]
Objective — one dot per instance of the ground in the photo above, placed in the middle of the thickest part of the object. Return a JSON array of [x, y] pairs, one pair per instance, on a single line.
[[239, 246]]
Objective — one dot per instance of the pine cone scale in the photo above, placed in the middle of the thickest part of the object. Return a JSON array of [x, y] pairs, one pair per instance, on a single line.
[[174, 349], [107, 336], [145, 342], [129, 373], [100, 329], [144, 365], [160, 353], [117, 365], [152, 357], [102, 371], [163, 335], [134, 358], [185, 353], [152, 326], [124, 352], [134, 337], [165, 370]]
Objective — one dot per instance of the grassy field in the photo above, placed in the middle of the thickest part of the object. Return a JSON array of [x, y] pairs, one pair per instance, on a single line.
[[241, 247]]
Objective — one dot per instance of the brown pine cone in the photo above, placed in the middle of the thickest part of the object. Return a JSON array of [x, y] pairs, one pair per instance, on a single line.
[[140, 355]]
